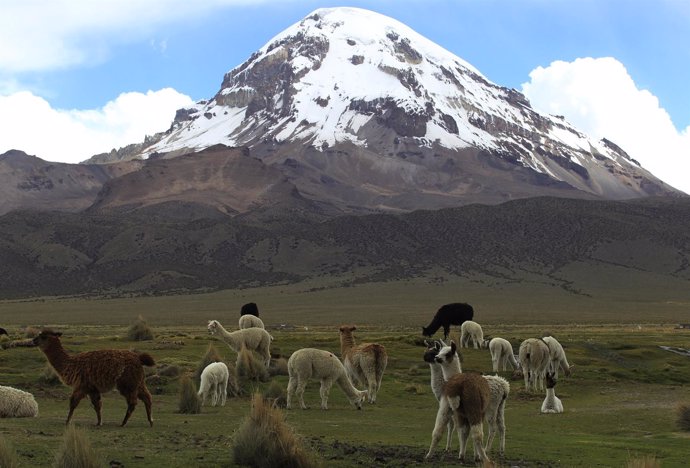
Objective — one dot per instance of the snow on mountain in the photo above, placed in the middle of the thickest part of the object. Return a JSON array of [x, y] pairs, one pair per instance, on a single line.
[[355, 77]]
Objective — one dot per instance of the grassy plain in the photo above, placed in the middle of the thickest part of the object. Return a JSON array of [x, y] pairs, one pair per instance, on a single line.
[[620, 403]]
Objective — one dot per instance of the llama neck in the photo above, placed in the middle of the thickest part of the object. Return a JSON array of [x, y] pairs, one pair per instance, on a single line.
[[57, 356], [347, 342], [451, 368], [223, 332], [347, 387], [437, 380], [550, 394]]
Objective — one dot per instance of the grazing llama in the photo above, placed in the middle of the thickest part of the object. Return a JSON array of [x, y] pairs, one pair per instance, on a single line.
[[214, 383], [449, 314], [471, 331], [364, 363], [467, 397], [254, 339], [534, 361], [551, 404], [250, 321], [308, 363], [95, 372], [498, 386], [15, 403], [502, 354], [557, 359]]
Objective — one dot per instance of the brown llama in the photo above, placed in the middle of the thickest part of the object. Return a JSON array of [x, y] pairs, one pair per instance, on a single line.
[[364, 363], [94, 372]]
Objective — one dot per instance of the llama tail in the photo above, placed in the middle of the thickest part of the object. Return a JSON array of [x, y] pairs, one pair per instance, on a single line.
[[146, 359]]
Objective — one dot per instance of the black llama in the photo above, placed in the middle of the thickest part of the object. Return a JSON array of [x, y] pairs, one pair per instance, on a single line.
[[449, 314], [249, 308], [3, 332]]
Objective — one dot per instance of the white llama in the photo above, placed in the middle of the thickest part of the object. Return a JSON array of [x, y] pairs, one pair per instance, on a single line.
[[534, 361], [254, 339], [308, 363], [502, 354], [249, 321], [557, 359], [214, 383], [551, 404], [471, 331]]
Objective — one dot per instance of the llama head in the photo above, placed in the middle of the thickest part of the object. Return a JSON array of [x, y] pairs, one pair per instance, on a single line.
[[3, 332], [447, 353], [360, 398], [46, 337], [551, 380], [213, 326], [347, 329], [432, 349]]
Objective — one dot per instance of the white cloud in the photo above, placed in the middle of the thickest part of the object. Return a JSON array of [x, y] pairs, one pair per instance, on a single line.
[[599, 97], [30, 124]]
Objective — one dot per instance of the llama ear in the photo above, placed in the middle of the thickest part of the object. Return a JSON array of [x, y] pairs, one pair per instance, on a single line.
[[452, 346]]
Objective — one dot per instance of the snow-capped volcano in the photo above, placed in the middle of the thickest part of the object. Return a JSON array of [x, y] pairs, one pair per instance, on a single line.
[[356, 107]]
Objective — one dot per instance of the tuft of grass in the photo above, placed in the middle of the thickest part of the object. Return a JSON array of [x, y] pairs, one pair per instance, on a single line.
[[683, 417], [212, 355], [190, 403], [140, 330], [278, 367], [265, 440], [276, 394], [8, 456], [49, 377], [76, 451], [648, 461], [250, 367]]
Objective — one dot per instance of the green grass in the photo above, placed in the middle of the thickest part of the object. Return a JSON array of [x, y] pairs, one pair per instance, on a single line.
[[620, 403]]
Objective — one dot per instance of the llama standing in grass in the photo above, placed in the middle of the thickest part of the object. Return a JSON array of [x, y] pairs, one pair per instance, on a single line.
[[557, 359], [94, 372], [308, 363], [467, 397], [551, 404], [437, 383], [449, 314], [498, 386], [471, 331], [250, 321], [502, 354], [15, 403], [534, 361], [214, 382], [364, 363], [254, 339]]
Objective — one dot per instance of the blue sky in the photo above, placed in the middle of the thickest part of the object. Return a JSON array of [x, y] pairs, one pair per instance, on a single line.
[[92, 75]]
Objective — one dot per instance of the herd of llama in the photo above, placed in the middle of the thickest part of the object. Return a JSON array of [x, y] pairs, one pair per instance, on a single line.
[[466, 400]]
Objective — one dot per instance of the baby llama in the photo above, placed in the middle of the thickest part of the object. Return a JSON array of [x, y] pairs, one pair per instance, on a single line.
[[534, 361], [15, 403], [502, 354], [255, 339], [551, 404], [449, 362], [249, 321], [94, 372], [308, 363], [471, 331], [214, 383], [364, 363]]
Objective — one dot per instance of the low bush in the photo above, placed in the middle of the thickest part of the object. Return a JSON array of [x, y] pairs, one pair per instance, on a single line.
[[140, 330], [190, 403], [76, 451], [683, 414], [8, 456]]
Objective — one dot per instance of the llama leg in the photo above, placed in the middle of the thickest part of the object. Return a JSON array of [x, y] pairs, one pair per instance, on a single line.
[[495, 363], [223, 392], [292, 385], [301, 385], [95, 396], [463, 429], [145, 396], [450, 425], [131, 404], [477, 432], [441, 420], [324, 391], [501, 427], [74, 400], [491, 422]]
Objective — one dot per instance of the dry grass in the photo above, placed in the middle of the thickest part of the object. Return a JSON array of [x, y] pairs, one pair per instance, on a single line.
[[683, 414], [190, 403], [49, 376], [140, 330], [250, 367], [276, 394], [265, 440], [8, 456], [76, 451], [648, 461], [278, 367]]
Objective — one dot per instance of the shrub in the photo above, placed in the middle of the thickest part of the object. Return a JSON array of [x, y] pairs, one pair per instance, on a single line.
[[49, 377], [140, 330], [76, 451], [209, 357], [265, 440], [683, 420], [276, 394], [250, 366], [190, 403], [8, 457], [278, 367]]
